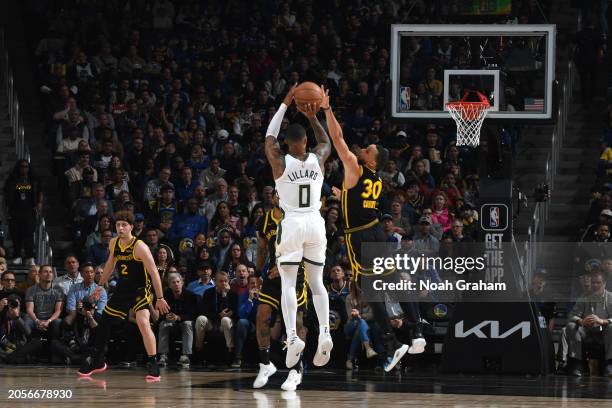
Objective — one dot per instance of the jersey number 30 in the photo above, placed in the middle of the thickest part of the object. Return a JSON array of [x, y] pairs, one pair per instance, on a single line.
[[372, 189], [304, 196]]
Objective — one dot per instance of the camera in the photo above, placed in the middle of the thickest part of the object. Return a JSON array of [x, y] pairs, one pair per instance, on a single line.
[[13, 303], [87, 305]]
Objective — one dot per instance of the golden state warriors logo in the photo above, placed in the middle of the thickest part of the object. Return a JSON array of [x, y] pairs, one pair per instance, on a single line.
[[440, 310]]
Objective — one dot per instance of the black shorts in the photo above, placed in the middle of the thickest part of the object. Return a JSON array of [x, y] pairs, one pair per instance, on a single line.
[[124, 299], [354, 240], [271, 290]]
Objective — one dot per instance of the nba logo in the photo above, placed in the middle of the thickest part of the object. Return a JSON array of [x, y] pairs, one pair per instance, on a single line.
[[494, 217]]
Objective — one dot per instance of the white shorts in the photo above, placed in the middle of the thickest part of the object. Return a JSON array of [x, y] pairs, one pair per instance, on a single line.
[[301, 236]]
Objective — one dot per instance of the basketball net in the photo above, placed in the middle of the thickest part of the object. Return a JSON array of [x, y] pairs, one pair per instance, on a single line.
[[469, 117]]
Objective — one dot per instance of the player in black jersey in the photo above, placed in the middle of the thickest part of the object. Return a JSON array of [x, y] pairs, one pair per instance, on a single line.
[[360, 209], [270, 299], [136, 272]]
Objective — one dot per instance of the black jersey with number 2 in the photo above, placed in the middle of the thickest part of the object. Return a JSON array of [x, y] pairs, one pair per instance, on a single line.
[[130, 270]]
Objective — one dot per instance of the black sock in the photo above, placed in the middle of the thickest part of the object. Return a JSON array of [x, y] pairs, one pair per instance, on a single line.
[[264, 355], [151, 359]]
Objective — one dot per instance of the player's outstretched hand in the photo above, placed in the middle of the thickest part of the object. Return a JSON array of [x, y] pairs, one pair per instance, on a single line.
[[325, 101], [289, 97], [162, 306], [309, 110]]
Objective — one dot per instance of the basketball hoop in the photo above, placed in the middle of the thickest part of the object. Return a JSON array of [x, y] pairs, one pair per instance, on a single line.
[[469, 117]]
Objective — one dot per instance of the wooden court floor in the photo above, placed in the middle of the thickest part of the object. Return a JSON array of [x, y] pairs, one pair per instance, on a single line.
[[192, 388]]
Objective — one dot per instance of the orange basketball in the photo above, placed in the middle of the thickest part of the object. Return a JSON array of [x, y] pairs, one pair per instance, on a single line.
[[308, 92]]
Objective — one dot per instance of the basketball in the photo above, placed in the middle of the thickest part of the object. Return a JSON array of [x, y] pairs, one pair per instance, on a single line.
[[308, 92]]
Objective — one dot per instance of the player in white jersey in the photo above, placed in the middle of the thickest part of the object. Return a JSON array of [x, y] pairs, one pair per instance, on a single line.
[[301, 232]]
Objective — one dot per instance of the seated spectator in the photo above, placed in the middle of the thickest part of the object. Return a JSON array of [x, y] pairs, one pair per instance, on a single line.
[[390, 230], [44, 306], [182, 311], [152, 190], [82, 298], [441, 213], [75, 173], [247, 315], [31, 279], [71, 132], [423, 178], [204, 282], [186, 186], [72, 276], [357, 329], [189, 224], [541, 294], [14, 332], [95, 237], [214, 173], [82, 189], [233, 259], [165, 206], [223, 219], [401, 224], [392, 175], [426, 242], [164, 259], [217, 310], [591, 320], [239, 284], [98, 253], [118, 184], [8, 289]]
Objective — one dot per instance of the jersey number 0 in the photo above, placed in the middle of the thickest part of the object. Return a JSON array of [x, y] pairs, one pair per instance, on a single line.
[[304, 195]]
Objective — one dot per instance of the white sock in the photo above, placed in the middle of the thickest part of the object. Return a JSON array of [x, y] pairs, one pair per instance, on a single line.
[[289, 305], [314, 274]]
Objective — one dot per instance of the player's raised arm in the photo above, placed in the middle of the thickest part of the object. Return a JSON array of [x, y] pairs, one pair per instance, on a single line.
[[323, 147], [349, 160], [273, 151], [141, 250]]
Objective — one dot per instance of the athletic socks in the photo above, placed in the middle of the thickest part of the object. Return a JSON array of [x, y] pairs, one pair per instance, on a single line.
[[264, 355]]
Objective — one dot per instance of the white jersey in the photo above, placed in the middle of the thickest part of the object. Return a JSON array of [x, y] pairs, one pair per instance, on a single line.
[[299, 188]]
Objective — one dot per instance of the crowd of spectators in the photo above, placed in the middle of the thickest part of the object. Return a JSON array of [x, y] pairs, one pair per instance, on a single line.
[[160, 107]]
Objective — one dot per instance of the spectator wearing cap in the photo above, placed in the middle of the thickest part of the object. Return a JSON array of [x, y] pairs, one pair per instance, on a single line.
[[98, 253], [72, 277], [165, 206], [390, 230], [435, 230], [212, 174], [153, 187], [185, 187], [82, 294], [426, 242], [605, 218], [84, 188], [139, 226], [204, 281]]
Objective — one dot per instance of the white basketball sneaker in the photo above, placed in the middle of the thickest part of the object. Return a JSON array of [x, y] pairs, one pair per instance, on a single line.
[[323, 350], [293, 380], [265, 371], [417, 346], [294, 348]]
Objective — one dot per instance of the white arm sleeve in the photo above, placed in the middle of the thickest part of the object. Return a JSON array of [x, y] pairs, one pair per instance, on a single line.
[[277, 119]]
